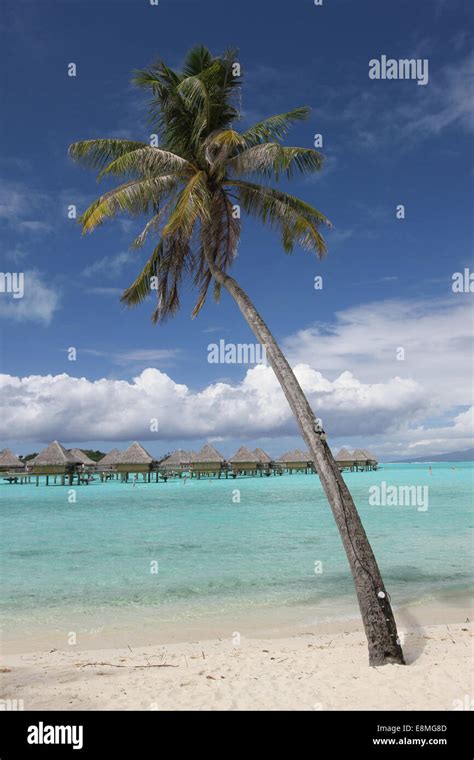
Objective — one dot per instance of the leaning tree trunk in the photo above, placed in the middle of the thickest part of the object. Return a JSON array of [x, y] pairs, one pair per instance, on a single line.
[[377, 616]]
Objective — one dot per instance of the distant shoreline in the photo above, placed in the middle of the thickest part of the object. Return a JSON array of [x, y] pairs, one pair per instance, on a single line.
[[467, 455]]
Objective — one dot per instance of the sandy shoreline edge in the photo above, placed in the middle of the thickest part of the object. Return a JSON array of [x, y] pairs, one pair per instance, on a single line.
[[317, 670]]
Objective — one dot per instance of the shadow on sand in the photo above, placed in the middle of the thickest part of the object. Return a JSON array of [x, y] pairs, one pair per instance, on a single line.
[[414, 640]]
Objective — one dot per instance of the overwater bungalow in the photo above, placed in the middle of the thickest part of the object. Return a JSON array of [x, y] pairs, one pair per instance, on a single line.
[[361, 461], [244, 462], [75, 466], [372, 459], [178, 462], [136, 459], [208, 461], [345, 460], [296, 461], [281, 461], [54, 460], [107, 466], [264, 460], [82, 459], [9, 462], [110, 460]]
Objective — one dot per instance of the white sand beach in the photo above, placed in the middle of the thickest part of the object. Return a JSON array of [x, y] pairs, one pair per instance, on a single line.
[[307, 671]]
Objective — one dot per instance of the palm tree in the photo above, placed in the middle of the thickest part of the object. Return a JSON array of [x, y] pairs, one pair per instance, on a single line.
[[192, 189]]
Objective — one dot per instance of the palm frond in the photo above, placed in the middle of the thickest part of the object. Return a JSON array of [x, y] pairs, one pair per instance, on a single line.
[[95, 154], [135, 197], [274, 127], [197, 59], [187, 106], [297, 221], [162, 274], [220, 236], [271, 159], [218, 146], [152, 227], [171, 269], [263, 159], [156, 78], [187, 186], [148, 162], [193, 203], [139, 290]]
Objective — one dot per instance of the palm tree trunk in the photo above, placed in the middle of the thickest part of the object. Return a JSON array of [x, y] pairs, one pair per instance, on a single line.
[[377, 616]]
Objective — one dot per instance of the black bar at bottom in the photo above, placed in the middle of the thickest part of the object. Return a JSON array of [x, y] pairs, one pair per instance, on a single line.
[[102, 734]]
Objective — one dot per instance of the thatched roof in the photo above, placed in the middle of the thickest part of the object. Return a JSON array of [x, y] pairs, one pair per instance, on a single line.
[[209, 454], [262, 456], [80, 457], [135, 454], [177, 459], [344, 455], [243, 455], [113, 457], [9, 459], [192, 456], [370, 456], [299, 456], [54, 454], [295, 456], [359, 455]]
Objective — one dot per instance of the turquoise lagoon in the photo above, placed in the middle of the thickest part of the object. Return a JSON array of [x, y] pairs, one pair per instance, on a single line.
[[171, 560]]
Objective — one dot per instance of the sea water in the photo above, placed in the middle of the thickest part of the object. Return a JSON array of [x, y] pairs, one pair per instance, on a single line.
[[133, 563]]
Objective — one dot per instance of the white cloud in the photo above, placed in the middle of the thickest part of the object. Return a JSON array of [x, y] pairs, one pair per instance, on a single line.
[[79, 409], [112, 266], [12, 202], [348, 370], [423, 440], [33, 212], [380, 115], [36, 226], [450, 104], [136, 356], [20, 204], [39, 303], [436, 335]]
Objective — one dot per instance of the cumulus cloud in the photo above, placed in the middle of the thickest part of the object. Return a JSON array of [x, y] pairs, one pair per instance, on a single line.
[[348, 370], [424, 439], [435, 335], [44, 407], [461, 430]]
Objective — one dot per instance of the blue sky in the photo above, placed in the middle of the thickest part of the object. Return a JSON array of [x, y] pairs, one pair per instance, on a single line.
[[386, 281]]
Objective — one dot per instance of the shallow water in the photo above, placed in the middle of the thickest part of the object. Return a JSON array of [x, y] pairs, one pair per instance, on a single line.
[[91, 565]]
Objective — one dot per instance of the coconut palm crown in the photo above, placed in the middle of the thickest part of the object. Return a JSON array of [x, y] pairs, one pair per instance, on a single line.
[[193, 186]]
